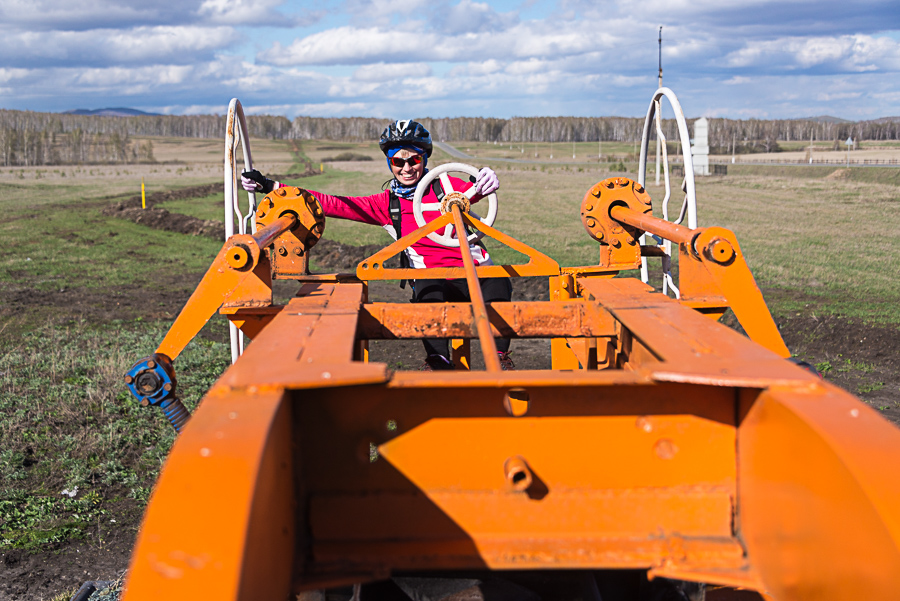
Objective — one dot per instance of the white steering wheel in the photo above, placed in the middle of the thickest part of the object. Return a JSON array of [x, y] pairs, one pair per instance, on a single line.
[[446, 239]]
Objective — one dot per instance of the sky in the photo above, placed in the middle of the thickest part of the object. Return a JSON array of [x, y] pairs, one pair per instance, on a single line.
[[449, 58]]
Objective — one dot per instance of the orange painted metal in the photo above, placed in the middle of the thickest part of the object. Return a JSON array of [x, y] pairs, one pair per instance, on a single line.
[[538, 264], [575, 318], [660, 441], [617, 211], [289, 254]]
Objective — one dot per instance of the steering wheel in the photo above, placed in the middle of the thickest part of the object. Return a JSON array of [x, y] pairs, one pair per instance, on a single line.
[[446, 239]]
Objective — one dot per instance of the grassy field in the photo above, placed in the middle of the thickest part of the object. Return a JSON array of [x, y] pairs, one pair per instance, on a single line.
[[84, 295]]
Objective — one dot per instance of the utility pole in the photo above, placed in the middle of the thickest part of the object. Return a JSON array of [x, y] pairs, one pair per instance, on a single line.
[[810, 145], [658, 110]]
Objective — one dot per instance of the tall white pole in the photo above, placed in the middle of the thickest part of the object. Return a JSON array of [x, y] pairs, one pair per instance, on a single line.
[[658, 116]]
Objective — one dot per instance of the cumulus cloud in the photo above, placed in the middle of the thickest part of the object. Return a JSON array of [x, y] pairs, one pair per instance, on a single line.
[[161, 44], [470, 17], [74, 15], [384, 13], [352, 46], [254, 12], [452, 57], [80, 15], [849, 53], [382, 72]]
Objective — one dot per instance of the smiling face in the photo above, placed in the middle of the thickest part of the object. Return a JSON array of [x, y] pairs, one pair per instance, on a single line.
[[408, 174]]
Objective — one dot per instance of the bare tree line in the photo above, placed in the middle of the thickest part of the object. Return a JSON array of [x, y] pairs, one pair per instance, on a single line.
[[32, 138]]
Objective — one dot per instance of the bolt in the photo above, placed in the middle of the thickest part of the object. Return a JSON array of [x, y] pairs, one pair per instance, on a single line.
[[145, 402], [617, 243], [148, 382], [151, 364], [591, 222], [281, 192], [589, 207], [565, 284], [128, 379], [639, 189], [630, 241], [238, 257], [298, 251], [167, 387], [282, 251]]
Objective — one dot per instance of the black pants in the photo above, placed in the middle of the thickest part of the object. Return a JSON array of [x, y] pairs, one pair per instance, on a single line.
[[494, 290]]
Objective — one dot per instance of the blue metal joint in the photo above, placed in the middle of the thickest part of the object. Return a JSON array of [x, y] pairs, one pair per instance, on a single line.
[[152, 382]]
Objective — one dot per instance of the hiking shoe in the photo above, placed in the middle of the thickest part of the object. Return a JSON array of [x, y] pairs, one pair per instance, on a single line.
[[437, 363], [506, 362]]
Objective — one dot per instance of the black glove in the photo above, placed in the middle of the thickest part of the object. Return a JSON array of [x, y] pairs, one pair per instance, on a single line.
[[260, 181]]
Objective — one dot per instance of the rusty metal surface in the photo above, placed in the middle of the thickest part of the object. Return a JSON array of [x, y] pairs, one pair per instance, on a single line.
[[508, 320], [289, 253]]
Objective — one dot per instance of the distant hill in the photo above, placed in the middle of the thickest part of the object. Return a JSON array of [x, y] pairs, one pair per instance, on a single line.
[[117, 112], [886, 120], [827, 119]]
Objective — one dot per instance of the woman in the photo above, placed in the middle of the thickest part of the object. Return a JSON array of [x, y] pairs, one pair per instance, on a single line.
[[407, 145]]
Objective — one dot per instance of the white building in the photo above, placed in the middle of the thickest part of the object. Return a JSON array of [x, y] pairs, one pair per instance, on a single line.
[[700, 147]]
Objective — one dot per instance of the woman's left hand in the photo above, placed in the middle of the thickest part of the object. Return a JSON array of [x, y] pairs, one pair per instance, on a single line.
[[486, 182]]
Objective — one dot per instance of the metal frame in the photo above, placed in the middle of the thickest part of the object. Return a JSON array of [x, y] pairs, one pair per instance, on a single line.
[[661, 440]]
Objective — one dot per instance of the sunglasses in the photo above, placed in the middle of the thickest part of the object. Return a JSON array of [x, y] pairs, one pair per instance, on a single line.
[[412, 161]]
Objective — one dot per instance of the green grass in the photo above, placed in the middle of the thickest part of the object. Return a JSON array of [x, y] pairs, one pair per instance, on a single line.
[[68, 421], [825, 244]]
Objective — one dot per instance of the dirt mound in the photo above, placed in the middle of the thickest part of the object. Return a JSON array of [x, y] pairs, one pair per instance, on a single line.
[[155, 198], [838, 175], [162, 219], [329, 255]]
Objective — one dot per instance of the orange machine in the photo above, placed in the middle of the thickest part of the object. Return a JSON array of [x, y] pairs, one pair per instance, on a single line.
[[661, 443]]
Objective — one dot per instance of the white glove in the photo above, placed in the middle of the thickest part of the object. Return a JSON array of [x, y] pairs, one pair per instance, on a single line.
[[486, 182]]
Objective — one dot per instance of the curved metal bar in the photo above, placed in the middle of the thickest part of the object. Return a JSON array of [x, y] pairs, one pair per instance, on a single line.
[[684, 136], [690, 200], [236, 131]]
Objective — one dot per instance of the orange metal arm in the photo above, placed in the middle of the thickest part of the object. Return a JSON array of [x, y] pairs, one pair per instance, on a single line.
[[712, 264], [648, 223], [240, 265], [488, 346]]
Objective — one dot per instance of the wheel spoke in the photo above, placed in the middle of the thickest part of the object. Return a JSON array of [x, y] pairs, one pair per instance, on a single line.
[[470, 192], [448, 231], [445, 184], [431, 206]]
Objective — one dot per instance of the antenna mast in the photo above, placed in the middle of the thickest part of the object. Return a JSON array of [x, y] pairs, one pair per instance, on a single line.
[[658, 109]]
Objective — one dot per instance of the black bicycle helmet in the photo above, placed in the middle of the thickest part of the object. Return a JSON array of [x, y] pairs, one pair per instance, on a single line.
[[403, 132]]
